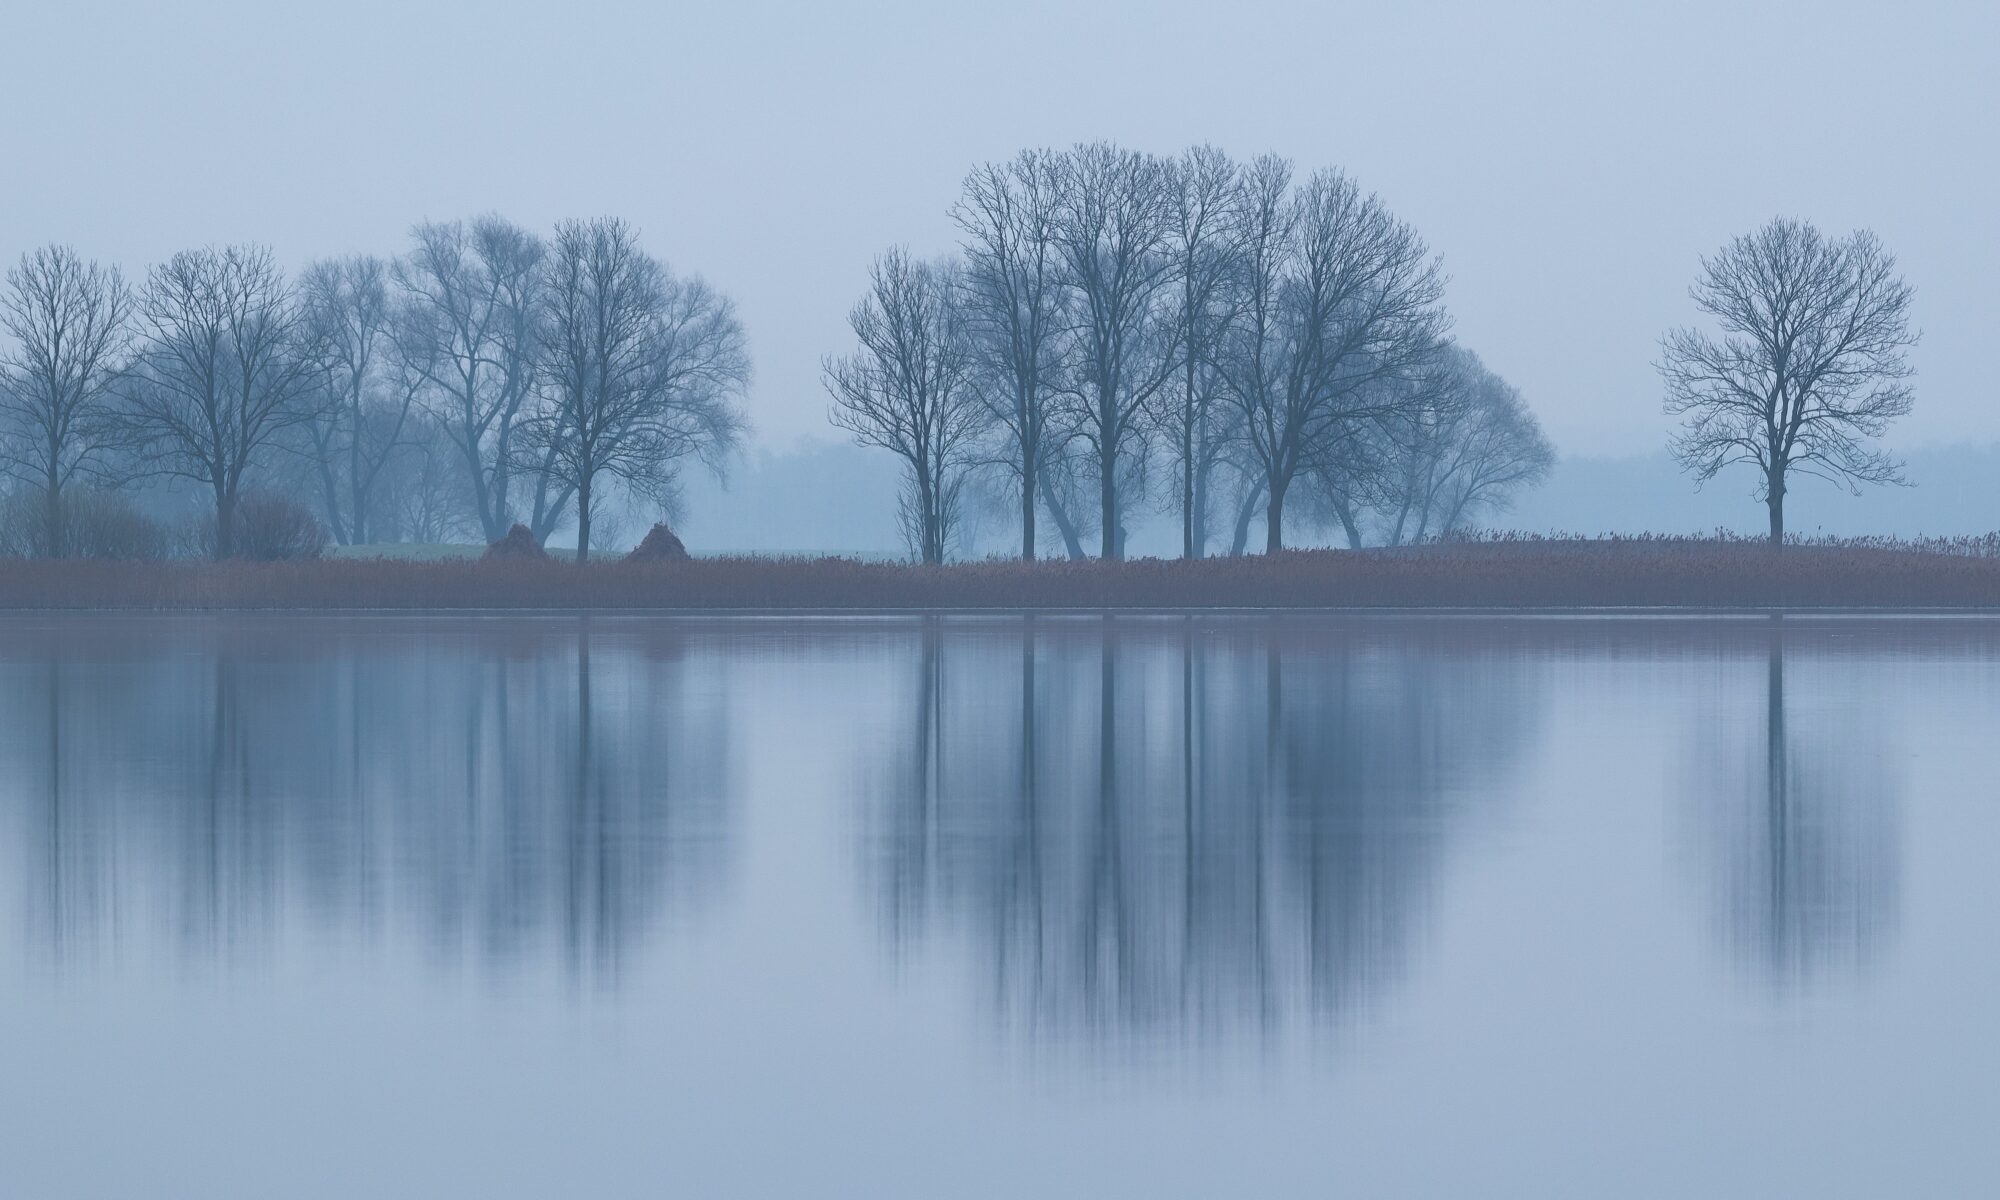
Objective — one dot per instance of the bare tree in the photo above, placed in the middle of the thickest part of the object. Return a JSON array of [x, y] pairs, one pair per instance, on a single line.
[[422, 494], [1457, 440], [1013, 307], [1338, 296], [1812, 363], [1499, 448], [908, 390], [225, 365], [467, 328], [641, 368], [68, 320], [1113, 229], [1204, 202], [365, 416]]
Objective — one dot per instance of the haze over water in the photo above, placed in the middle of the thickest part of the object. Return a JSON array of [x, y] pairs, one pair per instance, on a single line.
[[1052, 906]]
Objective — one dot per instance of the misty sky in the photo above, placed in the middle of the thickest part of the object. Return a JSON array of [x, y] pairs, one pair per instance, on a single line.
[[1569, 162]]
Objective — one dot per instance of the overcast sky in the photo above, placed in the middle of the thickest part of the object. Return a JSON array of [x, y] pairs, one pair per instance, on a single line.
[[1570, 162]]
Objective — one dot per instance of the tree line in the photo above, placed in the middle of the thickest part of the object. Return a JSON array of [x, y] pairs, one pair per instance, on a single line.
[[485, 376], [1219, 339], [1115, 331]]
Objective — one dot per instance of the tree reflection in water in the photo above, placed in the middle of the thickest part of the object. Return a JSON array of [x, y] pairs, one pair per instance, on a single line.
[[1798, 810], [1180, 826], [503, 790]]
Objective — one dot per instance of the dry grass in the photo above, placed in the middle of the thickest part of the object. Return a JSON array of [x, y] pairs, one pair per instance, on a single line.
[[1487, 571]]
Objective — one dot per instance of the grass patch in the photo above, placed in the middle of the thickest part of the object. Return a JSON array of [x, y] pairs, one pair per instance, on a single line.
[[1505, 571]]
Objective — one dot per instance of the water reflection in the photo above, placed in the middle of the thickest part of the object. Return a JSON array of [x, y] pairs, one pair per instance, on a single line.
[[1183, 826], [1193, 827], [497, 797], [1800, 819]]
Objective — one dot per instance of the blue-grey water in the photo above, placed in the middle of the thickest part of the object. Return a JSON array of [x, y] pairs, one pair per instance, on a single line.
[[1061, 906]]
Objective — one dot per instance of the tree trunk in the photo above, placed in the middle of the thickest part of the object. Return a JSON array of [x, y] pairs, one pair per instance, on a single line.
[[1347, 524], [225, 522], [1774, 499], [583, 519], [1187, 476], [1071, 543], [1030, 466], [1108, 502], [52, 505], [1274, 518], [1244, 513]]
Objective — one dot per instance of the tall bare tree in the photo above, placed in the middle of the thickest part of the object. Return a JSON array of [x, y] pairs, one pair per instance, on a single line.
[[363, 421], [1339, 295], [641, 368], [468, 329], [1204, 203], [1113, 229], [1812, 364], [68, 321], [908, 390], [1013, 306], [226, 363]]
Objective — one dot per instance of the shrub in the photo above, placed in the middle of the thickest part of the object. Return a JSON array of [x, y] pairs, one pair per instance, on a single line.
[[269, 528], [95, 524]]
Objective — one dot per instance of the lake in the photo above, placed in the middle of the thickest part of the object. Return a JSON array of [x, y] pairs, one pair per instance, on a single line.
[[998, 906]]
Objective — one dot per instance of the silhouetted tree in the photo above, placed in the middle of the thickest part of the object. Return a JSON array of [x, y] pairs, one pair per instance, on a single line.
[[908, 390], [640, 369], [226, 363], [1113, 229], [1013, 307], [68, 320], [467, 326], [1338, 296], [1812, 362], [1204, 203], [361, 424]]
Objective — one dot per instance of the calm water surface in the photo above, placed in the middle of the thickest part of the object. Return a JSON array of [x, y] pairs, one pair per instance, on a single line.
[[1153, 906]]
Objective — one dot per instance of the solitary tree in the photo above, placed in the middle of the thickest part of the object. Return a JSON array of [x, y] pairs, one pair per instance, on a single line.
[[67, 319], [226, 363], [907, 390], [1812, 362], [641, 368]]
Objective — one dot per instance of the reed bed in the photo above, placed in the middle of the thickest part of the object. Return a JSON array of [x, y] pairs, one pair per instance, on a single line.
[[1494, 571]]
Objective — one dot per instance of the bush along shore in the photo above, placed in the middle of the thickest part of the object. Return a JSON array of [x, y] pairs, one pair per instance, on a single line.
[[1491, 572]]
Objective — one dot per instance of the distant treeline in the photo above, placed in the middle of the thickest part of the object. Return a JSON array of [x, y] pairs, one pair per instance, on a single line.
[[485, 376], [1218, 338]]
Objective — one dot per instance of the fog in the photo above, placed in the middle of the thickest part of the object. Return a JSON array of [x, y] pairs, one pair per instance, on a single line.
[[1569, 162]]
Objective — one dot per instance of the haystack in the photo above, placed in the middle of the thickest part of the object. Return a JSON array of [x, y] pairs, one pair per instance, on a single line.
[[519, 543], [660, 545]]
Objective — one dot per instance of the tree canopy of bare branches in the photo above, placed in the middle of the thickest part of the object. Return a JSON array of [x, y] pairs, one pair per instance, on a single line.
[[1338, 297], [641, 369], [1013, 306], [1113, 230], [1811, 366], [908, 390], [67, 319], [225, 364], [361, 424], [467, 328]]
